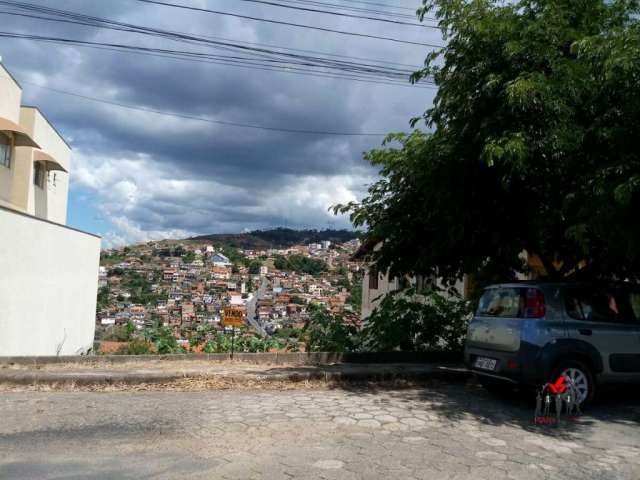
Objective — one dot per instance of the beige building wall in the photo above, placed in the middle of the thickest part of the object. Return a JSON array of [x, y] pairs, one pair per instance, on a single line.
[[10, 95], [50, 200], [48, 272], [371, 297]]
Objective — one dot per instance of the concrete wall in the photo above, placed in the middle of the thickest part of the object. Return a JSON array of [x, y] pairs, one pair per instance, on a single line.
[[48, 287]]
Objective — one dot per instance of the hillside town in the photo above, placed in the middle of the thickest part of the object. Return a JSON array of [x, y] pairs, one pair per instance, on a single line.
[[194, 286]]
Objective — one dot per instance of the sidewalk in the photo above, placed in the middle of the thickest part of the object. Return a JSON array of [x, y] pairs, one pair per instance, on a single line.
[[227, 373]]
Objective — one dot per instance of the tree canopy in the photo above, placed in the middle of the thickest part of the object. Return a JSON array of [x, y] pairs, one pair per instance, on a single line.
[[532, 144], [300, 264]]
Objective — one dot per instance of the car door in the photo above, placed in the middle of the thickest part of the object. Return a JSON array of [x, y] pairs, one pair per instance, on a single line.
[[606, 319]]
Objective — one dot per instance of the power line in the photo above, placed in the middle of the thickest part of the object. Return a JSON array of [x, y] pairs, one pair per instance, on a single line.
[[399, 7], [339, 14], [302, 65], [80, 19], [264, 57], [367, 10], [290, 24], [208, 120], [56, 15]]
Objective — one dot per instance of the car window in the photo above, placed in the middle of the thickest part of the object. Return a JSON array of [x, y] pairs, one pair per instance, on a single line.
[[601, 305], [502, 302]]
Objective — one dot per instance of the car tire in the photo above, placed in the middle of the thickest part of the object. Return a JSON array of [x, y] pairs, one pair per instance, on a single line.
[[581, 374]]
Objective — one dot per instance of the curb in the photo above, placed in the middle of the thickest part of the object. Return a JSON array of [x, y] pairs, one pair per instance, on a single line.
[[327, 375], [276, 358]]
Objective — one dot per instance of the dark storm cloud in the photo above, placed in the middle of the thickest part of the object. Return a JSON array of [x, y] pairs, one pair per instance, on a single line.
[[239, 177]]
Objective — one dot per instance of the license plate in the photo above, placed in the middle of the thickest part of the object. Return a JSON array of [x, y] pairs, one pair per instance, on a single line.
[[486, 363]]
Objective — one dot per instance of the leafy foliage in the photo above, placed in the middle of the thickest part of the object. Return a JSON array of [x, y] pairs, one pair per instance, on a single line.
[[410, 322], [222, 343], [254, 267], [325, 332], [136, 347], [300, 264], [532, 145], [103, 298], [164, 340]]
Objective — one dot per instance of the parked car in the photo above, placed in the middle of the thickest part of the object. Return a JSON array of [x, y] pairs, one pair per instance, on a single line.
[[529, 333]]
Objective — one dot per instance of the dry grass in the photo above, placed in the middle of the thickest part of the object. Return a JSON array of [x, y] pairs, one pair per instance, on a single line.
[[212, 384]]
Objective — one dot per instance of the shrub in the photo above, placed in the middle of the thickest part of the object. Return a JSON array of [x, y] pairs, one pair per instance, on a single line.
[[136, 347], [409, 322]]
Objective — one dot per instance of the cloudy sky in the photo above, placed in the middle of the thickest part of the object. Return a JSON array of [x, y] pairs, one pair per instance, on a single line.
[[140, 175]]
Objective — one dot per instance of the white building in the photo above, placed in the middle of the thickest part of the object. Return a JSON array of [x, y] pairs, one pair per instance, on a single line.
[[49, 278], [220, 260]]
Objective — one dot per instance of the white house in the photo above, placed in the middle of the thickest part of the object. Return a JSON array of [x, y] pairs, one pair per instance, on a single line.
[[49, 272]]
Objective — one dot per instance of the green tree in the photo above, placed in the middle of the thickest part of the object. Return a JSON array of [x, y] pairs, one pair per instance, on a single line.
[[325, 332], [188, 257], [164, 340], [300, 264], [254, 267], [407, 321], [532, 145], [103, 298]]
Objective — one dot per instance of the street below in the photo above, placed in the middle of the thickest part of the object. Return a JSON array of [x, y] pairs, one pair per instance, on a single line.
[[439, 431]]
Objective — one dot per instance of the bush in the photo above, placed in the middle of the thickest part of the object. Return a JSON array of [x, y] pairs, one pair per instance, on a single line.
[[415, 323], [164, 340], [136, 347], [242, 344], [325, 332]]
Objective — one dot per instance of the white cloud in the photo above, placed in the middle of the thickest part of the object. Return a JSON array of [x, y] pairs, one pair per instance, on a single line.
[[144, 201]]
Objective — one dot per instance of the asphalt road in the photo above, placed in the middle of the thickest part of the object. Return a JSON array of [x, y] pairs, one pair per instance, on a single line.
[[445, 431], [251, 307]]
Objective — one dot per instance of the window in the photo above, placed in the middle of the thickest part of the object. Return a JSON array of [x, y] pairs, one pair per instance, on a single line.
[[502, 302], [373, 279], [5, 151], [602, 305], [38, 174]]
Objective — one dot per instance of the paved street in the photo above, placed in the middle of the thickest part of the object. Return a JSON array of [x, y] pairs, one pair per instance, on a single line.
[[252, 304], [443, 431]]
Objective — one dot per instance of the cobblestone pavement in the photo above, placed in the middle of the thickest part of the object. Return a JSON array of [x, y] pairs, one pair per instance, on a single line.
[[440, 431]]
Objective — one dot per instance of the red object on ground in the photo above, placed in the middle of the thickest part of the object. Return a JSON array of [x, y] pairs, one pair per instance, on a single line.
[[560, 385]]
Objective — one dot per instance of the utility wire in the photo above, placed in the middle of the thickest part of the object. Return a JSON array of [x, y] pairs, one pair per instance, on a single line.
[[348, 8], [290, 24], [268, 56], [399, 7], [329, 69], [339, 14], [208, 120]]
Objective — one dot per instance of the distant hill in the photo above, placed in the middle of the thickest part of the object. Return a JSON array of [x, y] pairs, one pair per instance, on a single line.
[[277, 238]]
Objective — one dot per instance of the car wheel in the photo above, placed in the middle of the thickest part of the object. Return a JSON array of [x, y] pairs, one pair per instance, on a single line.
[[580, 375]]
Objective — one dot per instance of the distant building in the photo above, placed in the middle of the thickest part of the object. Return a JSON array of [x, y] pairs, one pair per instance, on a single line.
[[220, 260], [49, 272]]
